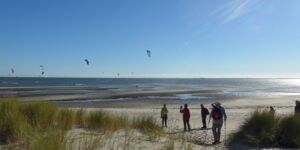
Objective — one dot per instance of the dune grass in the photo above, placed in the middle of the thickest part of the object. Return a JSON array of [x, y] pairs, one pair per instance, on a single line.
[[45, 126], [80, 118], [65, 119], [103, 120], [146, 124], [38, 114], [264, 130], [288, 134], [13, 125], [50, 140]]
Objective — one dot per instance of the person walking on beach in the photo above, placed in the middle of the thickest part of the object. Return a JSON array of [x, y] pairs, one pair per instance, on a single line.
[[297, 108], [164, 116], [186, 117], [204, 113], [218, 115]]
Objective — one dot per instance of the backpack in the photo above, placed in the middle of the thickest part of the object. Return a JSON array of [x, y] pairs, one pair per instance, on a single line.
[[217, 113]]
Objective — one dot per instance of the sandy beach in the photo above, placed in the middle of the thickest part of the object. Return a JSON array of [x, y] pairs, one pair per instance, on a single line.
[[237, 111], [139, 103]]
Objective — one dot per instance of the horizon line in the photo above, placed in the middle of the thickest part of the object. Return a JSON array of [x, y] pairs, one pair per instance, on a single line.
[[154, 77]]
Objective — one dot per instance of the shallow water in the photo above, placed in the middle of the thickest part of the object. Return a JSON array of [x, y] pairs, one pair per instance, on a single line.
[[247, 87]]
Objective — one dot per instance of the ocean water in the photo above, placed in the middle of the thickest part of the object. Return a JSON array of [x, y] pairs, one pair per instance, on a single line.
[[232, 86]]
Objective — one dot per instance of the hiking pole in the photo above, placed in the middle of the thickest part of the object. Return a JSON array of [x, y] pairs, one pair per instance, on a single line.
[[206, 130], [205, 137], [225, 134]]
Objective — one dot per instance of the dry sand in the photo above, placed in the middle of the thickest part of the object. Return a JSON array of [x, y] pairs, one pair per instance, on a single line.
[[237, 111]]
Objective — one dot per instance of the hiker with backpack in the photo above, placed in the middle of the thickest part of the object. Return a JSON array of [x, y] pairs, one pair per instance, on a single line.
[[186, 117], [218, 115], [164, 116], [204, 113]]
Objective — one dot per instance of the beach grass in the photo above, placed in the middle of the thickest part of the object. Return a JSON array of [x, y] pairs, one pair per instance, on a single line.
[[146, 124], [45, 126], [80, 118], [266, 130], [169, 145], [65, 119], [102, 120], [13, 124], [40, 115], [50, 140], [288, 134]]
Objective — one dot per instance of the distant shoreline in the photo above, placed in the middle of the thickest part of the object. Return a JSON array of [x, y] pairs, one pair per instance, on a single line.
[[127, 77]]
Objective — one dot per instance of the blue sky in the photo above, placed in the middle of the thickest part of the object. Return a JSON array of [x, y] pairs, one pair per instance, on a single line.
[[188, 38]]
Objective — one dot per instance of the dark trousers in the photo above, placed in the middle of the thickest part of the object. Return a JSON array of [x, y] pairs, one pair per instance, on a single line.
[[204, 122], [164, 121], [216, 128], [186, 122]]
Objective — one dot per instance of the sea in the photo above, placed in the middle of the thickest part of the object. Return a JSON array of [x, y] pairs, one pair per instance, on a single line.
[[226, 85]]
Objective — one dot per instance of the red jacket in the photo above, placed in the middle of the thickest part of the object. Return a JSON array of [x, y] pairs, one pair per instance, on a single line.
[[185, 113]]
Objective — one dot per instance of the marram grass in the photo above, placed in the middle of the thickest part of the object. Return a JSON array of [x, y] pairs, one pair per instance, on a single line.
[[45, 126], [265, 130]]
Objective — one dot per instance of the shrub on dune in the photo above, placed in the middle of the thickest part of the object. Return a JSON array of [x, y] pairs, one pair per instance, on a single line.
[[258, 130], [288, 134], [97, 119], [146, 124], [51, 140], [13, 125], [65, 119], [80, 117], [40, 114], [264, 129], [43, 126], [102, 120]]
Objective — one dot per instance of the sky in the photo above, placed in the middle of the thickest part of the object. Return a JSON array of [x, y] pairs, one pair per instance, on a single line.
[[187, 38]]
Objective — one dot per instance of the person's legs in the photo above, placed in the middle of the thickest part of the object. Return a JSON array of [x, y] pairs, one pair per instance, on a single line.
[[219, 127], [214, 130], [204, 122], [166, 123], [184, 124], [218, 133], [188, 123]]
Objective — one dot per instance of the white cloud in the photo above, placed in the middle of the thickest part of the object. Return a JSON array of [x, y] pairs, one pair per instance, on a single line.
[[234, 9]]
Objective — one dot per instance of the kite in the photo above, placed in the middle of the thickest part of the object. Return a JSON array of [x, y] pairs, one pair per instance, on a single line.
[[148, 53], [87, 61], [42, 70]]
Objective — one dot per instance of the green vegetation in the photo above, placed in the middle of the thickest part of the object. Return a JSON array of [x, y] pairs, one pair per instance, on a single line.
[[102, 120], [65, 119], [53, 139], [288, 134], [80, 118], [13, 125], [146, 124], [264, 129], [39, 115], [45, 126]]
